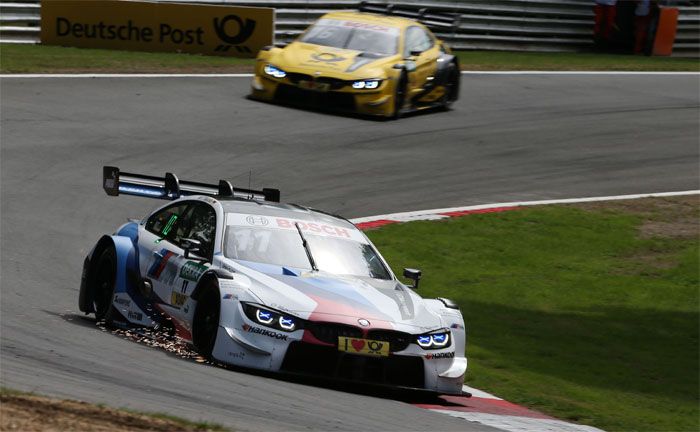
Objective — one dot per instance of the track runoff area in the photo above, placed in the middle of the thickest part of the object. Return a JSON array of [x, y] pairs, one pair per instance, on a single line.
[[483, 407]]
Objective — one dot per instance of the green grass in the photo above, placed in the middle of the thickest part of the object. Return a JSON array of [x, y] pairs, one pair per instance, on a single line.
[[17, 58], [568, 311], [53, 59]]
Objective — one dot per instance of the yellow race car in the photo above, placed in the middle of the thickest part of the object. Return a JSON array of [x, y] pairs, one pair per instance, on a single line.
[[360, 62]]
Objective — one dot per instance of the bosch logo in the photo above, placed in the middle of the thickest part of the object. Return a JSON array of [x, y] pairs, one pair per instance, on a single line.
[[257, 220], [243, 33]]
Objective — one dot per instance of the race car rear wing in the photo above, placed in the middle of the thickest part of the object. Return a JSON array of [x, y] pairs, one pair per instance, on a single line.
[[116, 182], [436, 17]]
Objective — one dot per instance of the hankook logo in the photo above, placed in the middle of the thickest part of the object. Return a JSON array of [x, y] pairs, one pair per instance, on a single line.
[[245, 31]]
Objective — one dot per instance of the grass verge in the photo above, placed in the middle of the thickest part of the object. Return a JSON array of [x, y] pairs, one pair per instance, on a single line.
[[21, 411], [586, 312], [17, 58]]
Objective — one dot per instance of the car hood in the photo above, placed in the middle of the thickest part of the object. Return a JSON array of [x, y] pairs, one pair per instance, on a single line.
[[324, 297], [327, 61]]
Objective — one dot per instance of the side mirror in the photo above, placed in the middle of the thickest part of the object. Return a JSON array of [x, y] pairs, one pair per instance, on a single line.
[[414, 275], [190, 246]]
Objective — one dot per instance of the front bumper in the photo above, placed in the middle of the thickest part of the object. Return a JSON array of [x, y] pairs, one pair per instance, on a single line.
[[313, 351], [377, 102]]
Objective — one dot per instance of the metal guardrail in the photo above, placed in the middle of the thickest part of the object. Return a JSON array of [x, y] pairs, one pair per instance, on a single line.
[[20, 21], [518, 25]]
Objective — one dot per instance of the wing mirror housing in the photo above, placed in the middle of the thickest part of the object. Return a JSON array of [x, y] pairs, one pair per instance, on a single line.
[[414, 275], [190, 246]]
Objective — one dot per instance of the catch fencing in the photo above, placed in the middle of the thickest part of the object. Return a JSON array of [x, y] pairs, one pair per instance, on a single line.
[[516, 25]]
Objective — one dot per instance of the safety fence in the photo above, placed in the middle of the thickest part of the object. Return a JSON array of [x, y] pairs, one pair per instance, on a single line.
[[518, 25]]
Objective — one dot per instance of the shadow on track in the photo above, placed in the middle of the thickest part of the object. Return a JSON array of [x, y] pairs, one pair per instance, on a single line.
[[174, 347]]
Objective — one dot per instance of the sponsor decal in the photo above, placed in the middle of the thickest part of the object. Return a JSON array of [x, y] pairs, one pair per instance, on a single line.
[[457, 326], [229, 296], [237, 355], [327, 58], [264, 332], [444, 355], [137, 316], [177, 299], [363, 346], [192, 270], [363, 322], [159, 264], [186, 309], [257, 220], [122, 301], [315, 228]]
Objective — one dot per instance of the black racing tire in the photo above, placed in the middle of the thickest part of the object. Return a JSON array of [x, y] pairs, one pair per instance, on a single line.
[[400, 96], [105, 282], [451, 86], [205, 323]]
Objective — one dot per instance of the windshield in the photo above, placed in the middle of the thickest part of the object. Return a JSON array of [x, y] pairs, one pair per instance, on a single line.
[[274, 240], [372, 38]]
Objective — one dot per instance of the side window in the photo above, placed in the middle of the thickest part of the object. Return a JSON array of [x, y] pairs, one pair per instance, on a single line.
[[167, 221], [201, 225], [417, 39]]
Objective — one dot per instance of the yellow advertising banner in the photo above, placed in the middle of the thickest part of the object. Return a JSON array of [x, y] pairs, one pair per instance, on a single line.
[[148, 26]]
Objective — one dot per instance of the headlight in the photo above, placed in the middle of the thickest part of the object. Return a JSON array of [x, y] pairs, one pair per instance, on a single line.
[[437, 340], [366, 84], [274, 72], [270, 318]]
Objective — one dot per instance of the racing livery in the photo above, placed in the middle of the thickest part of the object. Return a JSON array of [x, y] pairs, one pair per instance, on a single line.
[[361, 62], [252, 282]]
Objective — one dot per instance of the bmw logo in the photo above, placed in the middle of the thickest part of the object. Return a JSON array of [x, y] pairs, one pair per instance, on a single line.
[[363, 322]]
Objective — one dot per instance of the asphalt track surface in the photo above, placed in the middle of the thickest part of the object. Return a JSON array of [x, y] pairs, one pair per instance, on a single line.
[[510, 138]]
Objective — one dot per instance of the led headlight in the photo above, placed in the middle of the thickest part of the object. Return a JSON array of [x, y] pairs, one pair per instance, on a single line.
[[274, 71], [437, 340], [366, 84], [270, 318]]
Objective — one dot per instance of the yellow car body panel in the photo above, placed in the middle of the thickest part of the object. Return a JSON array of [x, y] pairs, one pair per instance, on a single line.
[[313, 72]]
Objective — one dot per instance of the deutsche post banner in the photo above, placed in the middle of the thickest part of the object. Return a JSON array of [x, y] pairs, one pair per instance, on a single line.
[[148, 26]]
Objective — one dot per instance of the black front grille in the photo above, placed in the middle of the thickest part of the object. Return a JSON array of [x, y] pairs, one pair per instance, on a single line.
[[335, 83], [331, 99], [329, 333], [324, 361], [398, 341]]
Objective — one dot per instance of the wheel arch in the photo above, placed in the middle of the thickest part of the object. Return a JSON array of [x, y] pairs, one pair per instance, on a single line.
[[125, 253]]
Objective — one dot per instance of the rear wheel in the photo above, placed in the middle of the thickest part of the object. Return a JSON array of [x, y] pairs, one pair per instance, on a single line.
[[205, 323], [105, 279]]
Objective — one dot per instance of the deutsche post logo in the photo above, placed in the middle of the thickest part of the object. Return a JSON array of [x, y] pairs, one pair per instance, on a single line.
[[245, 31], [327, 58]]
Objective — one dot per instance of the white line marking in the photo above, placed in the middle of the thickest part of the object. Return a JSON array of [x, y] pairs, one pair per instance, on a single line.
[[413, 215], [250, 75], [534, 72], [154, 75], [519, 424], [478, 393]]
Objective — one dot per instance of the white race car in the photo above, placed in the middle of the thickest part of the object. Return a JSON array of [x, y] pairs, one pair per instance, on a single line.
[[251, 282]]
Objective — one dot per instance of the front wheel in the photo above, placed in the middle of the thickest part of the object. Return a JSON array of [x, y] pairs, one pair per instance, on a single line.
[[399, 96], [105, 280], [205, 323], [451, 86]]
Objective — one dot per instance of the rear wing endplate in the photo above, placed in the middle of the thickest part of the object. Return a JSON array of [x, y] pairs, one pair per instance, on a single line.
[[116, 182]]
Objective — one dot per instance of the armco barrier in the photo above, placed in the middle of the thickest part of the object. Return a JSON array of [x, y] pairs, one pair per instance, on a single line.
[[522, 25]]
